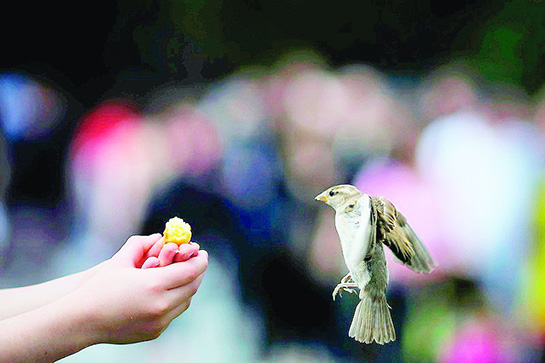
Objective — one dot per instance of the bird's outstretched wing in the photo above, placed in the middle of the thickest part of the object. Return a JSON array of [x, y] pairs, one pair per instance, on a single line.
[[394, 231]]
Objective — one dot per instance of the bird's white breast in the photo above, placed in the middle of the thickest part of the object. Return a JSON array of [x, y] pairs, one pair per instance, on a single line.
[[354, 229]]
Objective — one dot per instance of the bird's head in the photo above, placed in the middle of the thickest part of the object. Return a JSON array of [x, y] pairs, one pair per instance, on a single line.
[[338, 195]]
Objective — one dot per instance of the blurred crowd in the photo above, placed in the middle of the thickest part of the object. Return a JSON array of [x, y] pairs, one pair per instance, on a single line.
[[241, 160]]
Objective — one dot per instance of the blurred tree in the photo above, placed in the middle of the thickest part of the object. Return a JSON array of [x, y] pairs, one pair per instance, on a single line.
[[512, 43], [153, 41]]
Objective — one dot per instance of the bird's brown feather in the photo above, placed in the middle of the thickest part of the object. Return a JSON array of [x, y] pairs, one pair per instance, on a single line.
[[391, 229]]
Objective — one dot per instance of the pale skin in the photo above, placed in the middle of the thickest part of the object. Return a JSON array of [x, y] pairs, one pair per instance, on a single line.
[[131, 297]]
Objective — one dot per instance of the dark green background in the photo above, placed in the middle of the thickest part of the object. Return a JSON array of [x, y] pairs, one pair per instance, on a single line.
[[90, 47]]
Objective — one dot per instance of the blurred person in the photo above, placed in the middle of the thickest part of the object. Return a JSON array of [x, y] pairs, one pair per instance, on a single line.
[[111, 164], [121, 157], [250, 169], [36, 120], [36, 117], [321, 121], [482, 166], [372, 123], [258, 205], [307, 127], [312, 107], [23, 120], [258, 219], [236, 106], [131, 297], [289, 66], [473, 159], [447, 89]]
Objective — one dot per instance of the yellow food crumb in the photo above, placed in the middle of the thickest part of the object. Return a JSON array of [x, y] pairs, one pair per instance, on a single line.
[[177, 231]]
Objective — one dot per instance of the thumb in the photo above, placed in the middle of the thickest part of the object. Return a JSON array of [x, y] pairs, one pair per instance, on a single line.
[[134, 250]]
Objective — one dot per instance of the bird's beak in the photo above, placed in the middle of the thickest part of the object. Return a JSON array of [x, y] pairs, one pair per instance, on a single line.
[[323, 197]]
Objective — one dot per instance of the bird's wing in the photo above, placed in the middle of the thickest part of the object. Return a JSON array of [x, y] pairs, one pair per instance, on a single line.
[[394, 231]]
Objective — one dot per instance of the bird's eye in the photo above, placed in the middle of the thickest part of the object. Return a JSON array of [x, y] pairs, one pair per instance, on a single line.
[[332, 193]]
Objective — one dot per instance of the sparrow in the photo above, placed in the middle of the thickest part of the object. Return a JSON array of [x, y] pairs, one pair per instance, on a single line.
[[364, 224]]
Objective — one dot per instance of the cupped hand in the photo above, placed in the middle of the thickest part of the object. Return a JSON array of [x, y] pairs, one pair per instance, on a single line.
[[126, 304]]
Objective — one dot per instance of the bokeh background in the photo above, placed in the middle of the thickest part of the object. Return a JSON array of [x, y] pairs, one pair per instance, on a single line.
[[117, 115]]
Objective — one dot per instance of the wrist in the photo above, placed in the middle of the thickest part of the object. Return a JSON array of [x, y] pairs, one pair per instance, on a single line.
[[76, 322], [86, 316]]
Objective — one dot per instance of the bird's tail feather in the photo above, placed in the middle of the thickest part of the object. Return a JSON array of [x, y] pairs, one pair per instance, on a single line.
[[372, 321]]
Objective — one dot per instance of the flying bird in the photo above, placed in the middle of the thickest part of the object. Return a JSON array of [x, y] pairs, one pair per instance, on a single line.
[[364, 225]]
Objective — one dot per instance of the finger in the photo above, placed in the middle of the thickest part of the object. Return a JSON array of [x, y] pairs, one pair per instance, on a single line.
[[181, 296], [156, 248], [196, 252], [166, 256], [151, 262], [132, 252], [180, 274], [185, 252]]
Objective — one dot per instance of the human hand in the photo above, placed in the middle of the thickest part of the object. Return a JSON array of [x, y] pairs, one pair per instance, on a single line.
[[126, 304]]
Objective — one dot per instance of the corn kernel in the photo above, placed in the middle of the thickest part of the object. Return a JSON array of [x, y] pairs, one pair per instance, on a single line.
[[177, 231]]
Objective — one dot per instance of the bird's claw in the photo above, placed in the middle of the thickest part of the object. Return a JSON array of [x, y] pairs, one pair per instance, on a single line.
[[343, 286], [336, 291]]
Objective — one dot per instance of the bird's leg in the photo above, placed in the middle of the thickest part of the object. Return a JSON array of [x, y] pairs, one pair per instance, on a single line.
[[347, 278], [346, 286]]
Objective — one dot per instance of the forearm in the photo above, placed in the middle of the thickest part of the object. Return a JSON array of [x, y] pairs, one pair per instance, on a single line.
[[114, 302], [19, 300], [48, 333]]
